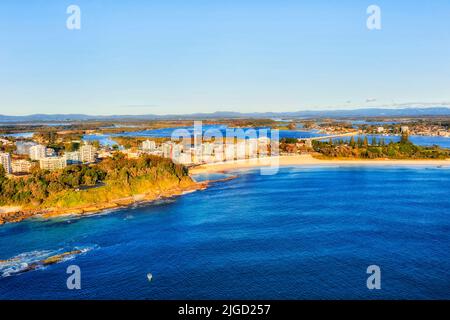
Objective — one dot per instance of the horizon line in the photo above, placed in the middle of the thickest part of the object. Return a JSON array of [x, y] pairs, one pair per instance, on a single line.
[[403, 107]]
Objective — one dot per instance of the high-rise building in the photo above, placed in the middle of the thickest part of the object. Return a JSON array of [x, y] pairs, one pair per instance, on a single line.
[[5, 161], [230, 151], [53, 163], [73, 157], [21, 166], [87, 153], [148, 145], [37, 152]]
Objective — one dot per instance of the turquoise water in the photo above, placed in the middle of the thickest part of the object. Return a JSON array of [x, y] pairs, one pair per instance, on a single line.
[[303, 233]]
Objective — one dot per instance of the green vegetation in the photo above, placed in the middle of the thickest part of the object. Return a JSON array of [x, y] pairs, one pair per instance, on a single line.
[[361, 149], [92, 184]]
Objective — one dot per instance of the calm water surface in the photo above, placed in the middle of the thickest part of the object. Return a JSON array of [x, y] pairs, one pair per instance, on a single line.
[[303, 233]]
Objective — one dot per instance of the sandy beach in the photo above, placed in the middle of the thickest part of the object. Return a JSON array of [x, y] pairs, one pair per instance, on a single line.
[[307, 160]]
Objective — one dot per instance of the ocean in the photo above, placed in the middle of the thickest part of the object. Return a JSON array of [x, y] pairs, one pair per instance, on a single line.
[[304, 233]]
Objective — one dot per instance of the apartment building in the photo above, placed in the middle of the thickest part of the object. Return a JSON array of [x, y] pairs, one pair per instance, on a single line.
[[5, 161], [53, 163]]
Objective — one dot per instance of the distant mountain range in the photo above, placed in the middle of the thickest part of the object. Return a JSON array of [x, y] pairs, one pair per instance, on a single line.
[[357, 113]]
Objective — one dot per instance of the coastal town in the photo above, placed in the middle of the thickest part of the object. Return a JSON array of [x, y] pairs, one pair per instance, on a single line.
[[29, 154], [49, 149]]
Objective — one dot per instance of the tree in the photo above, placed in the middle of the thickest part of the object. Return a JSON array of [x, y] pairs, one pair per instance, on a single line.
[[405, 138], [352, 141], [359, 142], [374, 141]]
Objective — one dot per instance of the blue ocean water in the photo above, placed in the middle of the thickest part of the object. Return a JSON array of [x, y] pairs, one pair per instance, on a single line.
[[304, 233]]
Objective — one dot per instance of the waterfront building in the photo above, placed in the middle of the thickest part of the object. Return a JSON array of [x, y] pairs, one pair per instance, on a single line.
[[218, 152], [37, 152], [240, 149], [167, 149], [229, 151], [53, 163], [5, 161], [207, 150], [87, 153], [380, 129], [185, 158], [21, 166], [252, 148], [148, 145], [171, 150], [404, 129], [73, 157]]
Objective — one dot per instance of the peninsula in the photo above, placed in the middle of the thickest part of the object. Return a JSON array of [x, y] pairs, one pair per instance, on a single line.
[[82, 189]]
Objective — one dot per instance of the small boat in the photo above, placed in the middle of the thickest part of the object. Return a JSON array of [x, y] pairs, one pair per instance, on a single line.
[[149, 277]]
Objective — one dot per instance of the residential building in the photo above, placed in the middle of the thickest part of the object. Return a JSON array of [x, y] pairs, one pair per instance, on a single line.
[[171, 150], [5, 161], [73, 157], [229, 151], [185, 158], [21, 166], [87, 153], [37, 152], [53, 163], [148, 145]]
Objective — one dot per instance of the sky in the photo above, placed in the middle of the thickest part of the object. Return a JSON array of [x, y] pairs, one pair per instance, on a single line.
[[187, 56]]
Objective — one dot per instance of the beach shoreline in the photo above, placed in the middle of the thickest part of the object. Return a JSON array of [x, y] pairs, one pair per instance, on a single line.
[[306, 160]]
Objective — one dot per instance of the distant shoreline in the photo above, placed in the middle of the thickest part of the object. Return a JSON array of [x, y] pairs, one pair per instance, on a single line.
[[307, 160]]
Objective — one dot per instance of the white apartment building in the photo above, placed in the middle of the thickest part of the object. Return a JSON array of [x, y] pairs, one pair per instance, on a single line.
[[148, 145], [73, 157], [87, 153], [171, 150], [185, 158], [5, 161], [230, 151], [37, 152], [218, 153], [53, 163], [21, 166]]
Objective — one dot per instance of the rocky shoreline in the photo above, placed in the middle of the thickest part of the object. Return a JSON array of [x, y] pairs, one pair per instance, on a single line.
[[21, 214]]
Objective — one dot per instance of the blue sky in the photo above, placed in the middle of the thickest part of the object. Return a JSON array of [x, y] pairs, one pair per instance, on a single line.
[[167, 56]]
